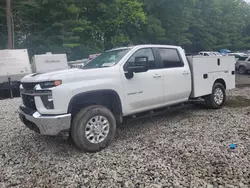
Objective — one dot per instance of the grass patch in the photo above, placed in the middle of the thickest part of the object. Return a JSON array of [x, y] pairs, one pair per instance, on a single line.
[[237, 102]]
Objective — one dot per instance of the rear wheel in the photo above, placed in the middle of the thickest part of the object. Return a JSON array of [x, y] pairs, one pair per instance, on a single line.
[[93, 128], [218, 97], [242, 70]]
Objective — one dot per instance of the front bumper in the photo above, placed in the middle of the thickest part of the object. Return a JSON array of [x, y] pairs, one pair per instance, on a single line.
[[45, 124]]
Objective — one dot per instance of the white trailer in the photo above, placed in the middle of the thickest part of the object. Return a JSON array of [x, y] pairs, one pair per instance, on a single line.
[[49, 62], [14, 64]]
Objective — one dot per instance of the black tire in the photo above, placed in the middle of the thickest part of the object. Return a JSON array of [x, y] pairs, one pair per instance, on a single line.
[[80, 122], [242, 70], [210, 99]]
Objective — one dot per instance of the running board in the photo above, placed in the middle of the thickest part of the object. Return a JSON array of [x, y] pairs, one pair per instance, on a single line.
[[158, 111]]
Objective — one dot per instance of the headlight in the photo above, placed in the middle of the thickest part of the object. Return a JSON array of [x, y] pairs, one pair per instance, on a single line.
[[50, 84]]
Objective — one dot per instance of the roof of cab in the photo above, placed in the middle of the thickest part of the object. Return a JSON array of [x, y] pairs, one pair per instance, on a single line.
[[207, 52], [144, 45]]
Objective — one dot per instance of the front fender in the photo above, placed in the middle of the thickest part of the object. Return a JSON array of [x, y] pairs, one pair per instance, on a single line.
[[101, 97]]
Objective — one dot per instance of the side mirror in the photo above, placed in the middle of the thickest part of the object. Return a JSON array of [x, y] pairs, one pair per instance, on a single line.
[[140, 65]]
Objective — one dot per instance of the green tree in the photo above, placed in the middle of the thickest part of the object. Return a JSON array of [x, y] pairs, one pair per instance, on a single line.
[[81, 27], [3, 28], [115, 18]]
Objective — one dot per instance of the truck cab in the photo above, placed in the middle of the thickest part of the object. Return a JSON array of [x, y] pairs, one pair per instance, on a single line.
[[88, 103]]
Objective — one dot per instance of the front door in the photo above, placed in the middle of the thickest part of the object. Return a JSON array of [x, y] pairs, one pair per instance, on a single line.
[[144, 91]]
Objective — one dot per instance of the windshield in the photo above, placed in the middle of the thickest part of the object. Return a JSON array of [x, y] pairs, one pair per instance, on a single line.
[[242, 54], [242, 58], [107, 59], [217, 53], [211, 53]]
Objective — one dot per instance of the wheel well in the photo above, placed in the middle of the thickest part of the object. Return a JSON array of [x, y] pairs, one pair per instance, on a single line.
[[242, 66], [221, 81], [108, 98]]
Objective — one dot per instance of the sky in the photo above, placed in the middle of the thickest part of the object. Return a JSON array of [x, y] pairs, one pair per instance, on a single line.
[[247, 1]]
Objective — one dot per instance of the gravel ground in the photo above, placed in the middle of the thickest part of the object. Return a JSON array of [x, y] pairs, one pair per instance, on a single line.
[[185, 148], [242, 79]]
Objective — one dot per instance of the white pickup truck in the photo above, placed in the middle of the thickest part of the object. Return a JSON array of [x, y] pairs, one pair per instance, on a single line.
[[88, 103]]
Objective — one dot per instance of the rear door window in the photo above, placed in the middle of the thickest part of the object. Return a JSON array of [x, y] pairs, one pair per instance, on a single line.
[[170, 58]]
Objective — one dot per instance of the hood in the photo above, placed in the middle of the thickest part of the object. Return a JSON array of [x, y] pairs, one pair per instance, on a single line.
[[73, 75], [40, 77]]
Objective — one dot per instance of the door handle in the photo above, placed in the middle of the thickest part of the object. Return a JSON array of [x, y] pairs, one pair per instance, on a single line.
[[157, 76], [185, 73]]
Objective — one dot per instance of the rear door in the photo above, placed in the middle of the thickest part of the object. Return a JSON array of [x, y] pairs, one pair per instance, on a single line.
[[176, 76]]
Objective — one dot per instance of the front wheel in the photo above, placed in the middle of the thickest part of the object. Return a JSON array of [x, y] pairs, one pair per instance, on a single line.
[[242, 70], [93, 128], [218, 97]]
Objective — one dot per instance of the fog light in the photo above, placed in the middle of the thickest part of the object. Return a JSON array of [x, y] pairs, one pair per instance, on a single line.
[[48, 101]]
